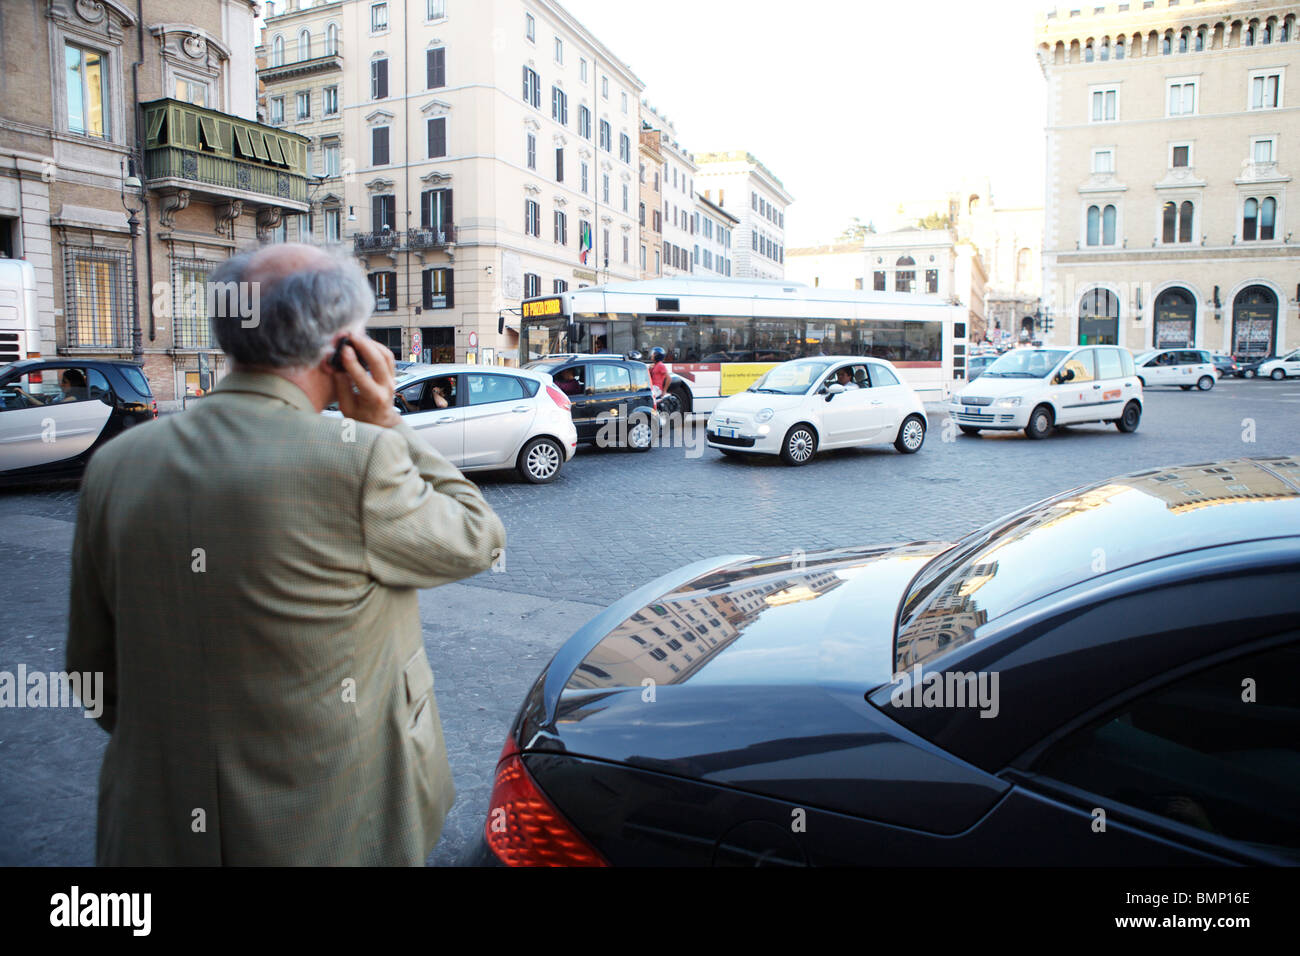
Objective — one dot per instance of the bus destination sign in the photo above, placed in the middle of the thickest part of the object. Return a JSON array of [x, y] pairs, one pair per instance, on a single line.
[[541, 307]]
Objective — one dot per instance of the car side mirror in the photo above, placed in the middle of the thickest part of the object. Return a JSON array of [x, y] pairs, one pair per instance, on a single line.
[[833, 390]]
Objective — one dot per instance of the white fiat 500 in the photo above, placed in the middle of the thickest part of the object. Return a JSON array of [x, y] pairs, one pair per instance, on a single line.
[[1039, 389], [812, 404]]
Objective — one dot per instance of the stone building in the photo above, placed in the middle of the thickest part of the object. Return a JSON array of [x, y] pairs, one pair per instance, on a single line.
[[738, 183], [650, 217], [1169, 131], [123, 222]]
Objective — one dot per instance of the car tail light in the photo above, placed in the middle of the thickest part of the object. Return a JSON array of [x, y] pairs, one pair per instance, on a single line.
[[559, 398], [523, 827]]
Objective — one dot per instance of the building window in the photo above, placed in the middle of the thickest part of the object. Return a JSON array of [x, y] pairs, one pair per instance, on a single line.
[[87, 91], [435, 9], [1182, 98], [1105, 105], [191, 91], [559, 106], [626, 250], [1103, 161], [436, 210], [437, 136], [330, 100], [333, 221], [378, 79], [383, 213], [559, 164], [304, 45], [1265, 90], [658, 221], [584, 122], [277, 110], [189, 312], [584, 171], [878, 281], [625, 148], [641, 214], [932, 281], [96, 295], [530, 142], [277, 51], [532, 285], [905, 277], [331, 155], [624, 96], [1177, 220], [378, 17], [438, 288], [626, 199], [530, 27], [604, 188], [1259, 219], [605, 138], [643, 259], [532, 218], [1180, 156], [303, 102], [604, 87], [379, 146], [582, 69], [1261, 150], [384, 285], [558, 286], [435, 68], [1101, 225], [532, 89], [559, 50]]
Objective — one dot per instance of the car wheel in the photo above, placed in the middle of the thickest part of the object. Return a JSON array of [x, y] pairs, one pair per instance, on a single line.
[[1128, 422], [969, 429], [1205, 383], [683, 400], [911, 435], [799, 446], [1249, 373], [540, 461], [1278, 375], [640, 433], [1041, 421]]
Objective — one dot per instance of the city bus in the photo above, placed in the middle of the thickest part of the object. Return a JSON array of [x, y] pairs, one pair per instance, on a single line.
[[20, 335], [720, 335]]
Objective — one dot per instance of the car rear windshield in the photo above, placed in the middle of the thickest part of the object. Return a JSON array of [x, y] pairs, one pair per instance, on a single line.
[[135, 378]]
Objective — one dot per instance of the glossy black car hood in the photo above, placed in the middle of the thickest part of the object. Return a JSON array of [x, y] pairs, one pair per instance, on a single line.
[[751, 673]]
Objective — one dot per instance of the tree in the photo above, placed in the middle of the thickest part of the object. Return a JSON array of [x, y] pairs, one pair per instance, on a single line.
[[856, 230], [934, 221]]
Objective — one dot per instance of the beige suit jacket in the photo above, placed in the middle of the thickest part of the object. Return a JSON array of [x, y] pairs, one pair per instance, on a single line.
[[244, 575]]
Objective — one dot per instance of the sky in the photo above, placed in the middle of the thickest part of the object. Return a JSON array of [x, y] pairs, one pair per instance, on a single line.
[[851, 106]]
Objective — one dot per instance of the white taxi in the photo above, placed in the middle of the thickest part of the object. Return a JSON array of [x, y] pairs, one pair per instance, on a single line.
[[1186, 368], [812, 404], [1038, 389], [1280, 368]]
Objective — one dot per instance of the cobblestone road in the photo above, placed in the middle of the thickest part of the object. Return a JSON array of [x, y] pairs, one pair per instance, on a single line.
[[611, 522]]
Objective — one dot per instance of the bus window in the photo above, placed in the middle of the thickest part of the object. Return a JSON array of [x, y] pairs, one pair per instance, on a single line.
[[725, 340]]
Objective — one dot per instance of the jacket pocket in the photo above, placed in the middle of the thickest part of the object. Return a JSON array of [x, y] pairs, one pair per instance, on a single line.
[[418, 676]]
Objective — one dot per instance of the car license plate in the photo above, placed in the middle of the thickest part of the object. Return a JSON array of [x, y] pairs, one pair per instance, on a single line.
[[972, 411], [726, 433]]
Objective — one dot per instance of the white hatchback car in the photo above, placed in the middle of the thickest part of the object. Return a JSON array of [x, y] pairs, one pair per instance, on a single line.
[[1280, 368], [1038, 389], [1186, 368], [812, 404], [483, 418]]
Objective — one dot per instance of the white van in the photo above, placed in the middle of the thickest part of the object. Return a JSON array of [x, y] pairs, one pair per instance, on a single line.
[[1186, 368], [20, 336], [1038, 389]]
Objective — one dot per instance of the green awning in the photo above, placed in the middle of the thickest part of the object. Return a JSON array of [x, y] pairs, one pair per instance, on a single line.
[[259, 145], [210, 134], [156, 119], [273, 149], [241, 139]]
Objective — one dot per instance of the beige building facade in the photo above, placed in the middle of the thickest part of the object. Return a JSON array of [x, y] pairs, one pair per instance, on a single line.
[[1173, 132], [650, 216], [123, 224], [488, 152], [743, 186]]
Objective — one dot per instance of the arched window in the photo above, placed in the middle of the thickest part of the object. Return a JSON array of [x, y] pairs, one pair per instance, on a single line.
[[1288, 25], [1108, 226], [1167, 44], [1094, 226], [905, 277], [1105, 49], [1200, 40], [1119, 49], [1269, 29], [1186, 215], [1170, 217], [1267, 218], [1250, 219], [277, 51], [1174, 318], [332, 39], [1184, 40], [1087, 52], [1098, 318], [304, 46], [1250, 32]]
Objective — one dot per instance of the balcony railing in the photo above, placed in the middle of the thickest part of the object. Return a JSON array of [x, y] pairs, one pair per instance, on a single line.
[[416, 240], [201, 146], [296, 59]]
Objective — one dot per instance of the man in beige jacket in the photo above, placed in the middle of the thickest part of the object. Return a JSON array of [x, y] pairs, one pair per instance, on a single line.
[[245, 576]]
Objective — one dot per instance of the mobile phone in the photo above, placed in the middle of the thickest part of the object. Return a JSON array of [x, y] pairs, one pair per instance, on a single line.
[[336, 360]]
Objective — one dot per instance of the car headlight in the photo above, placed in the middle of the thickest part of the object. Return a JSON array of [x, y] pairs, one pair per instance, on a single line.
[[764, 416], [1013, 402]]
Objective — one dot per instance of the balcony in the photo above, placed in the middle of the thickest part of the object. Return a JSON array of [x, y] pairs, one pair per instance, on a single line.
[[219, 157], [390, 241], [297, 60]]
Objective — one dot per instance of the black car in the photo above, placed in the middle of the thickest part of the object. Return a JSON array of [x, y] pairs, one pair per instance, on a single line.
[[1226, 364], [1249, 367], [1110, 676], [54, 413], [612, 401]]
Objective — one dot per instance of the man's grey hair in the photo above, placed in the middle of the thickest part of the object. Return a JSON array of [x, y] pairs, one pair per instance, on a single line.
[[294, 315]]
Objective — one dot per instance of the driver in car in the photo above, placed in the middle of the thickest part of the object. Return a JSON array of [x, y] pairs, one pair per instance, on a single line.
[[845, 377]]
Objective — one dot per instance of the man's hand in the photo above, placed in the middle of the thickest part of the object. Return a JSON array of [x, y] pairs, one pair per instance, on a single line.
[[367, 396]]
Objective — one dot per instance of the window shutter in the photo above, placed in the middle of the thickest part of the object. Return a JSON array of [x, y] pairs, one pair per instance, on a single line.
[[426, 209], [379, 146], [437, 137], [449, 276], [426, 288], [447, 219], [436, 68]]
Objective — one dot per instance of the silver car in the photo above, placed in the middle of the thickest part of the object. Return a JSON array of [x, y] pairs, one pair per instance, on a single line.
[[482, 418]]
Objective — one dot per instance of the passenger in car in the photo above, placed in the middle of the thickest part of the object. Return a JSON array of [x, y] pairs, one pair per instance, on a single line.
[[568, 382], [73, 384]]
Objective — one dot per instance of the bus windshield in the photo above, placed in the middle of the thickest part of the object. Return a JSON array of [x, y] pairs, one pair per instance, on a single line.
[[792, 378], [1025, 363]]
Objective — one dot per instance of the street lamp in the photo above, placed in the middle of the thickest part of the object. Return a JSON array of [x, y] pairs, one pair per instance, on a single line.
[[131, 181]]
